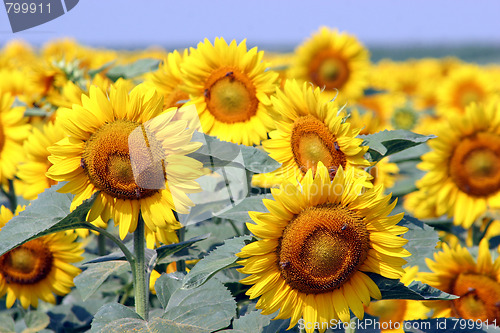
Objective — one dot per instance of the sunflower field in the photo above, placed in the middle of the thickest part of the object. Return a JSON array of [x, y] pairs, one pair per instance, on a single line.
[[222, 188]]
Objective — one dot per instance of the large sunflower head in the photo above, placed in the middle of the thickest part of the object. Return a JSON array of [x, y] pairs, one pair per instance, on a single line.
[[463, 167], [133, 153], [315, 243], [13, 132], [230, 87], [167, 80], [476, 282], [40, 268], [334, 61], [310, 130], [463, 86]]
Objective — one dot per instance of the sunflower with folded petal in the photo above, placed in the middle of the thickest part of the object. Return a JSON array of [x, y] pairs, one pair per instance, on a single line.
[[461, 87], [230, 87], [309, 130], [391, 311], [39, 268], [476, 282], [315, 243], [334, 61], [463, 167], [133, 153], [13, 132], [167, 80]]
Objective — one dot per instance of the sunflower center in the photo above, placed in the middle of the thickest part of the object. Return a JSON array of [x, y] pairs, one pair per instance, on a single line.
[[176, 98], [321, 248], [26, 264], [467, 94], [312, 142], [388, 310], [106, 160], [479, 297], [328, 70], [475, 164], [230, 95], [404, 118]]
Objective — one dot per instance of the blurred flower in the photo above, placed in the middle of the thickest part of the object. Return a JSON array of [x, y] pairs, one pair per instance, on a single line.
[[334, 61], [463, 173], [477, 283]]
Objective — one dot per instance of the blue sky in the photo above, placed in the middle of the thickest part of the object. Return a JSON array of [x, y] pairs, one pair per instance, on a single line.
[[142, 23]]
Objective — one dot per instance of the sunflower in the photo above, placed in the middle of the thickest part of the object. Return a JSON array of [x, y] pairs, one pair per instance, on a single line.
[[463, 86], [463, 167], [310, 130], [130, 151], [13, 131], [32, 171], [384, 173], [40, 268], [230, 87], [477, 283], [392, 311], [167, 80], [315, 243], [334, 61]]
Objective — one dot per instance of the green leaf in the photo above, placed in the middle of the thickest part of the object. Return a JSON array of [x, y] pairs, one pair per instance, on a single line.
[[35, 321], [386, 142], [36, 112], [393, 289], [166, 285], [7, 323], [133, 70], [48, 214], [167, 250], [210, 306], [110, 313], [91, 279], [94, 72], [411, 154], [253, 322], [222, 257], [422, 241], [239, 212], [215, 153]]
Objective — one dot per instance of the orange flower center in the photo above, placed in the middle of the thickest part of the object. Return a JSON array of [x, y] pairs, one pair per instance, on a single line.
[[321, 248], [230, 95], [479, 297], [475, 164], [175, 99], [311, 142], [106, 160], [467, 93], [328, 70], [26, 264]]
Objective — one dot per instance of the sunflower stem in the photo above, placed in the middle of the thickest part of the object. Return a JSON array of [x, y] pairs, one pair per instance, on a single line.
[[140, 272], [181, 264], [11, 196], [130, 257], [101, 245]]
